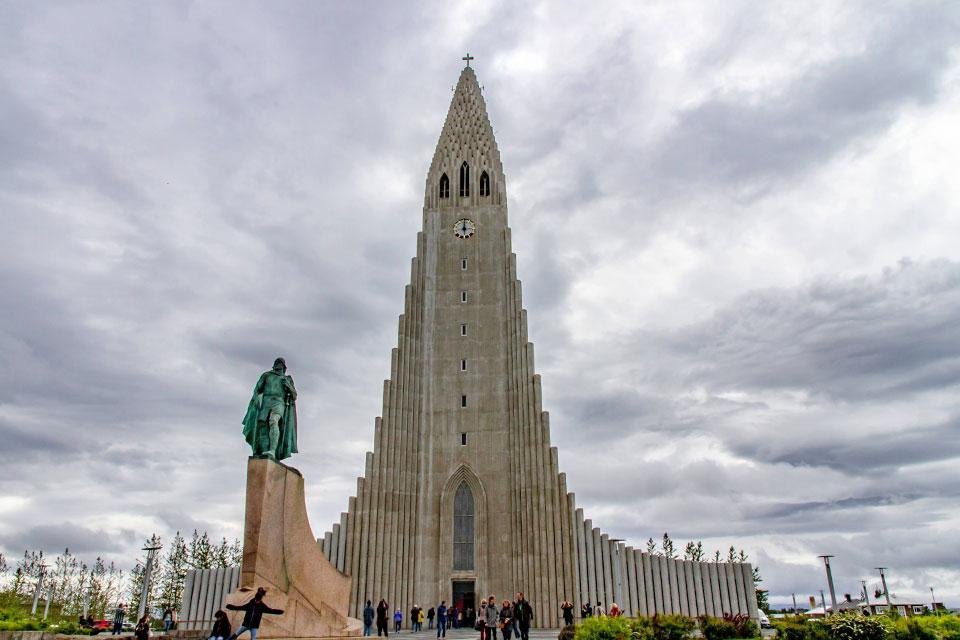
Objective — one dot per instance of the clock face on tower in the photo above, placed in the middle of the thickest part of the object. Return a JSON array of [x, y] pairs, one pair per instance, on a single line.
[[464, 228]]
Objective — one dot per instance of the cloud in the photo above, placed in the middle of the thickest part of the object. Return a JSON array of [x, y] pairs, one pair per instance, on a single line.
[[733, 226]]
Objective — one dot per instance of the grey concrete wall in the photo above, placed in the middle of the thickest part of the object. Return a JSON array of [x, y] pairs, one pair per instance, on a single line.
[[205, 591]]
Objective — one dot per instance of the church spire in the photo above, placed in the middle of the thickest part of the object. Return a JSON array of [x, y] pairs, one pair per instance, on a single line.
[[466, 168]]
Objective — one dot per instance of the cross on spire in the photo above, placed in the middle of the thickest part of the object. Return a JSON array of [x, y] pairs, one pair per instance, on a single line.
[[468, 58]]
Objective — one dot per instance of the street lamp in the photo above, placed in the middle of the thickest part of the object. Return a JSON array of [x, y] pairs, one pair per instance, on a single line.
[[933, 602], [883, 581], [823, 603], [833, 595], [36, 592], [866, 597], [794, 596], [147, 570]]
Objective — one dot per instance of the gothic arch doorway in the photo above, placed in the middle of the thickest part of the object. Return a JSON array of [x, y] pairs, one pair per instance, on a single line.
[[463, 532]]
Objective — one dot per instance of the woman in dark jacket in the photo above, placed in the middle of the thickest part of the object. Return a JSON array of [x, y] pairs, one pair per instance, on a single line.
[[382, 608], [142, 630], [506, 619], [221, 626], [253, 612]]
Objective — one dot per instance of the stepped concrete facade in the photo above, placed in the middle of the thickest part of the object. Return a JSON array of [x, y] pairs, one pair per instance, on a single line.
[[462, 495]]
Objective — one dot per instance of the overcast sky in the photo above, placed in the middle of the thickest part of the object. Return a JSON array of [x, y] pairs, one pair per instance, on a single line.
[[736, 224]]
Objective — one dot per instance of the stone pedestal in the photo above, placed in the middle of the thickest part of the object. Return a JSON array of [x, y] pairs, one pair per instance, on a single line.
[[280, 554]]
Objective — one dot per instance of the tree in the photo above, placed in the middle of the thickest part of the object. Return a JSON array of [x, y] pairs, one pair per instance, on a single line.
[[28, 572], [105, 587], [201, 554], [716, 555], [762, 602], [174, 572], [693, 551], [667, 544], [651, 546]]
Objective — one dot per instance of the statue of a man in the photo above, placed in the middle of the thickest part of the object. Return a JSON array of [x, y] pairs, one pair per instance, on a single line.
[[270, 425]]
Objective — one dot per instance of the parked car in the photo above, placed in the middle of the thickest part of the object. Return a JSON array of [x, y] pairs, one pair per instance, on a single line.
[[100, 625], [764, 620]]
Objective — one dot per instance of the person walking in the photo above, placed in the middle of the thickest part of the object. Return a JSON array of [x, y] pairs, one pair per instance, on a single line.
[[167, 619], [420, 616], [523, 614], [567, 608], [397, 620], [506, 619], [442, 619], [599, 611], [253, 612], [492, 618], [452, 616], [368, 616], [142, 630], [431, 614], [382, 608], [586, 610], [119, 617], [615, 610], [414, 614], [221, 626]]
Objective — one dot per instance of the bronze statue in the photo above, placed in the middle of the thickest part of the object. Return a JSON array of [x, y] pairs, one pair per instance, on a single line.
[[270, 426]]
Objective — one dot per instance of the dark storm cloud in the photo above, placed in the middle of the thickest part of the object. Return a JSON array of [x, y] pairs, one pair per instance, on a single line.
[[848, 339], [54, 538], [821, 112]]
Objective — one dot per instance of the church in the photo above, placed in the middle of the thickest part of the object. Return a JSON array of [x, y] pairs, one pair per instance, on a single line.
[[462, 495]]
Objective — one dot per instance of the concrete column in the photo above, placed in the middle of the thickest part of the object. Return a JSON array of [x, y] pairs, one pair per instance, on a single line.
[[374, 537], [731, 587], [751, 588], [581, 557], [342, 544], [691, 590], [591, 562], [598, 568], [725, 605], [394, 454], [568, 560], [740, 589], [698, 589], [682, 586], [716, 595], [648, 585], [658, 606], [633, 606], [607, 571], [219, 593], [674, 585], [185, 601], [195, 596], [625, 601], [202, 599], [666, 585]]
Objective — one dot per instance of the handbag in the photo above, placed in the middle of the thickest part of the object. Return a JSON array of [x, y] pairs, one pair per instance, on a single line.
[[479, 624]]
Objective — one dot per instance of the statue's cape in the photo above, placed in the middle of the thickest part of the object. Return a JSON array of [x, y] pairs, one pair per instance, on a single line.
[[288, 426]]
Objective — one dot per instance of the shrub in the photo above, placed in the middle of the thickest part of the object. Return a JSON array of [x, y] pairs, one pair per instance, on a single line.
[[717, 628], [800, 628], [855, 626], [729, 626], [604, 628], [641, 629], [946, 627], [672, 626]]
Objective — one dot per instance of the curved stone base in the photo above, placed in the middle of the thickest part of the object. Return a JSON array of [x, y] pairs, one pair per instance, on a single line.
[[281, 555]]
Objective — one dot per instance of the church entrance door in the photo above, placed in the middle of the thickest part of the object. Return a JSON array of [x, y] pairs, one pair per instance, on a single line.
[[464, 599]]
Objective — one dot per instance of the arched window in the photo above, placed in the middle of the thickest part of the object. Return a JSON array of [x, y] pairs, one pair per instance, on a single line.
[[444, 186], [464, 180], [463, 529], [484, 184]]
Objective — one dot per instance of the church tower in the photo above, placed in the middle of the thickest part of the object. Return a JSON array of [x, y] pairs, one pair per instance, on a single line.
[[462, 496]]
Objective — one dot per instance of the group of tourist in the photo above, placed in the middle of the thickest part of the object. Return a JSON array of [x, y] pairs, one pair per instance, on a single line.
[[589, 611], [510, 618]]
